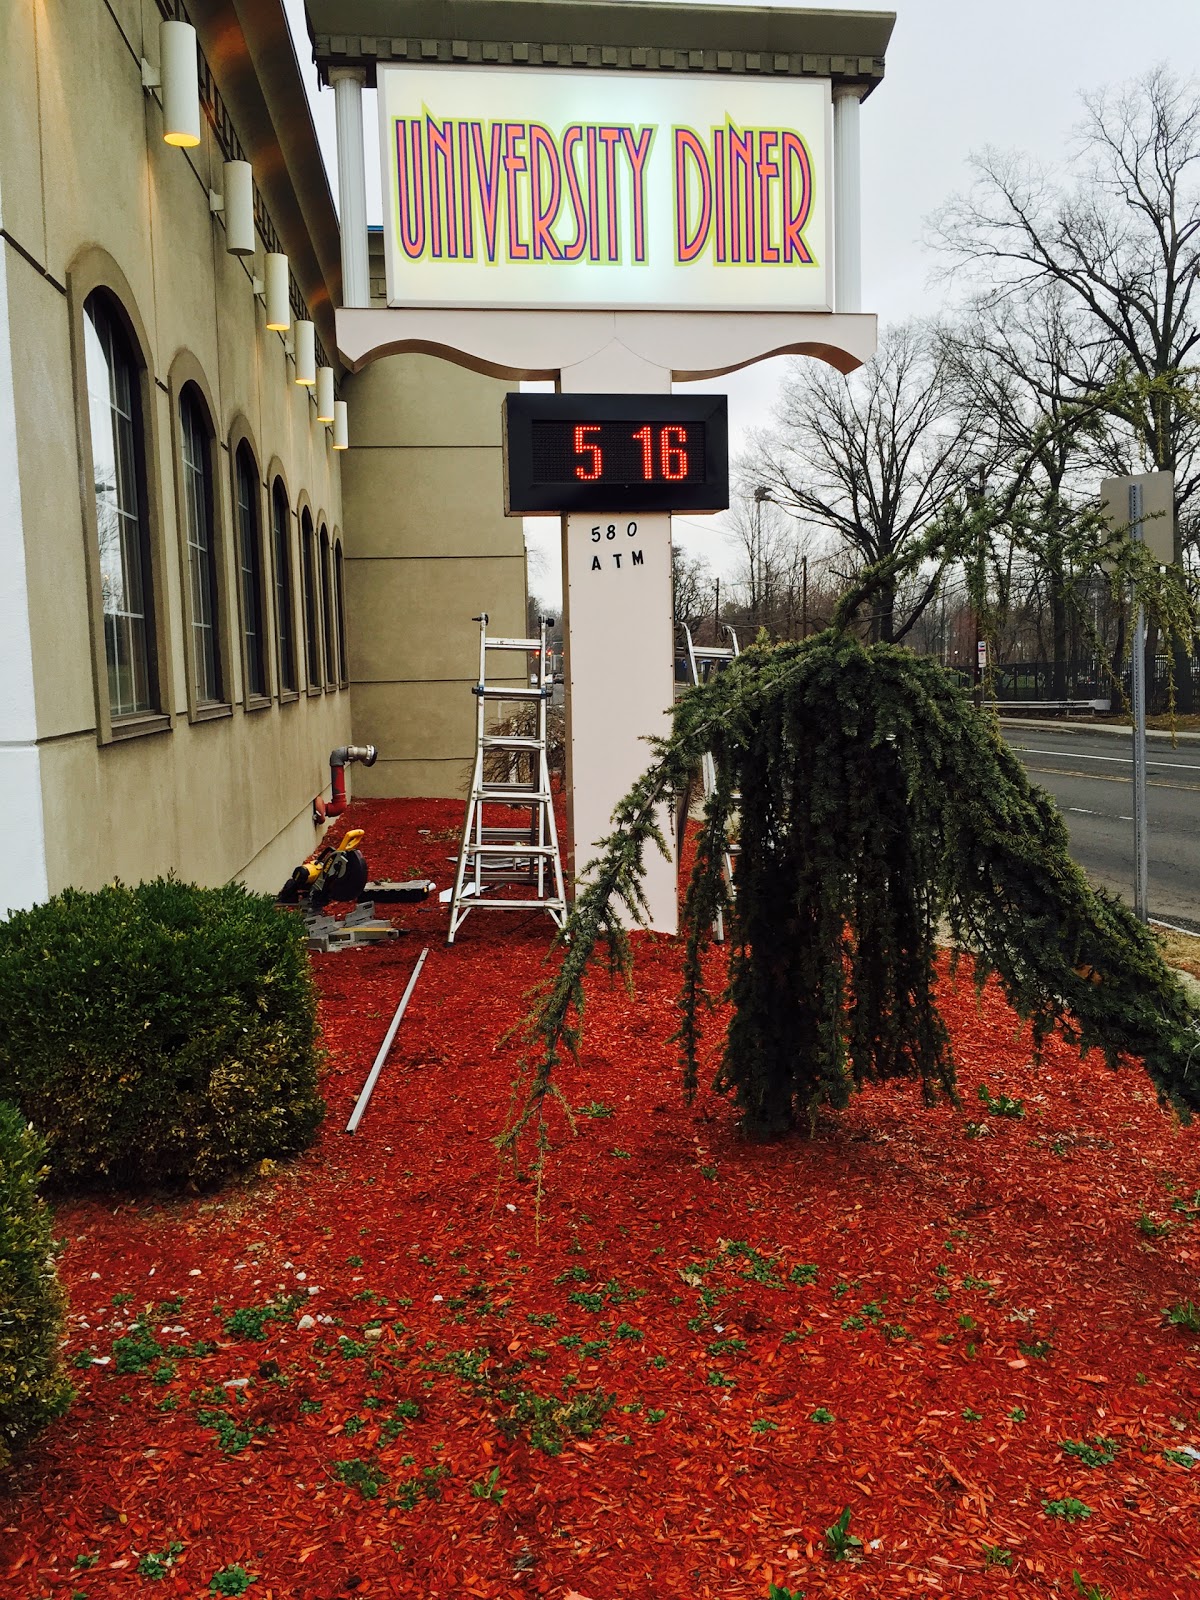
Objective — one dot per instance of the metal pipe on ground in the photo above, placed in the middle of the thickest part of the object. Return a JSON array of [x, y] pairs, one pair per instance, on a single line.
[[368, 1088]]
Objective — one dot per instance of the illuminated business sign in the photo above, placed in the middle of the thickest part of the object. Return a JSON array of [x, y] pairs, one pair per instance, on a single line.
[[615, 452], [593, 190]]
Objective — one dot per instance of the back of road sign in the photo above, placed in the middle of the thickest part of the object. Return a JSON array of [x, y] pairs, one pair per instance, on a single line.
[[1158, 510]]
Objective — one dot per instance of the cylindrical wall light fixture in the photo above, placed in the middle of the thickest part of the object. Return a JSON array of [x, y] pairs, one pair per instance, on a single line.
[[324, 394], [305, 336], [341, 428], [279, 300], [239, 208], [180, 74]]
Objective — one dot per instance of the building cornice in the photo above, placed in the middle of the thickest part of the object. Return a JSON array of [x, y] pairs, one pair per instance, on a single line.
[[845, 46]]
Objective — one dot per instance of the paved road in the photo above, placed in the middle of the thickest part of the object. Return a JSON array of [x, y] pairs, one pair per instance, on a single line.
[[1090, 775]]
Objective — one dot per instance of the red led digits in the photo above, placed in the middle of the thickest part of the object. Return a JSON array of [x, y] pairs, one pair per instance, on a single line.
[[672, 453], [643, 437], [584, 448], [672, 448]]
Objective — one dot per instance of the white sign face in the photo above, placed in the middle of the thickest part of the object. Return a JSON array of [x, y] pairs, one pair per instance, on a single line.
[[587, 190]]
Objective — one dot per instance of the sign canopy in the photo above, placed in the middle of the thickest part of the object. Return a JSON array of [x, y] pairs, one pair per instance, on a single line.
[[592, 191]]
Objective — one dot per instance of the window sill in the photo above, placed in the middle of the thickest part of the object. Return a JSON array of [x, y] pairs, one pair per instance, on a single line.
[[288, 697], [258, 702], [210, 713], [136, 727], [314, 690]]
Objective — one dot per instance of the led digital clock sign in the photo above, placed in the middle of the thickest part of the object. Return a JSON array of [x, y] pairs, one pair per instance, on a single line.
[[615, 453]]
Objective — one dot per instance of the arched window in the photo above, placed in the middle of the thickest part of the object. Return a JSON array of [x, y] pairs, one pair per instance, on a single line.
[[195, 436], [118, 479], [339, 599], [254, 638], [331, 676], [308, 587], [285, 636]]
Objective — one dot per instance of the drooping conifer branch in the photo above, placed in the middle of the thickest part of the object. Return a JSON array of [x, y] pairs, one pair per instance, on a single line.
[[874, 803]]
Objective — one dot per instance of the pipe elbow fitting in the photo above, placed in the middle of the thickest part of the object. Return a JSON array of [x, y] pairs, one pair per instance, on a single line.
[[346, 754]]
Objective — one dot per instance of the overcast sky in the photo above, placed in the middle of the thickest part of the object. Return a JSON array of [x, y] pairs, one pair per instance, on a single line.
[[960, 75]]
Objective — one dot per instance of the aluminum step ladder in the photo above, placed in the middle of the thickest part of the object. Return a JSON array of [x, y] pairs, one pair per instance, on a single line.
[[703, 660], [511, 770]]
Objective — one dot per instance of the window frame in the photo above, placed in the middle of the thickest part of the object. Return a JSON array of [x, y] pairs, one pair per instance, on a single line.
[[310, 615], [283, 544], [94, 272], [329, 662], [243, 461], [339, 599], [187, 385]]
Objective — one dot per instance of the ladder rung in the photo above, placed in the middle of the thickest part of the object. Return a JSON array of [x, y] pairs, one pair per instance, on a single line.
[[485, 692], [513, 644], [478, 904], [716, 652], [512, 797], [503, 741], [507, 850]]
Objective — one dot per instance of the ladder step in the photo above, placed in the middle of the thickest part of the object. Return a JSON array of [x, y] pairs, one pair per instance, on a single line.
[[716, 652], [516, 905], [486, 692], [509, 850], [504, 741], [513, 644], [511, 797]]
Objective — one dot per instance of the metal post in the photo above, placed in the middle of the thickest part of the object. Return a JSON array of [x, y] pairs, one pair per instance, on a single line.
[[1141, 838], [368, 1088]]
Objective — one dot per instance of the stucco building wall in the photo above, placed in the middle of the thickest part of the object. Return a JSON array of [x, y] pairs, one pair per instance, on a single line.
[[430, 548], [90, 194]]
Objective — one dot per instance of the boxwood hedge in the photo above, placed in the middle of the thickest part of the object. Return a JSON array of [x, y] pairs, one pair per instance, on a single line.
[[158, 1033], [33, 1387]]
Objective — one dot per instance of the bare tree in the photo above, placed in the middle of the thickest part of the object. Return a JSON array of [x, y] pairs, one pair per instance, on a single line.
[[1026, 372], [693, 585], [871, 459], [1119, 234], [1123, 241]]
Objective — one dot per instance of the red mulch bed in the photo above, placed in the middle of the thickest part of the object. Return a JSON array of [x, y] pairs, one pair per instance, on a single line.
[[978, 1298]]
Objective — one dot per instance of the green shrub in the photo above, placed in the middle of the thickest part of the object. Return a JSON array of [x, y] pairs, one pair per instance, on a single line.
[[158, 1033], [33, 1387]]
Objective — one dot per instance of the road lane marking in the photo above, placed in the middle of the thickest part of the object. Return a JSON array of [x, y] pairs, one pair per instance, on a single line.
[[1110, 777], [1124, 761]]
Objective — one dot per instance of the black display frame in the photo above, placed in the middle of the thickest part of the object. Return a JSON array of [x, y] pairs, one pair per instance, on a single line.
[[525, 498]]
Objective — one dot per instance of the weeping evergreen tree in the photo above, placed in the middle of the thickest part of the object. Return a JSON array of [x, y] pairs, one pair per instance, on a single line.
[[876, 808]]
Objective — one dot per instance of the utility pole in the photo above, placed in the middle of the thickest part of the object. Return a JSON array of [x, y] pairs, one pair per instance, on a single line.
[[804, 597]]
